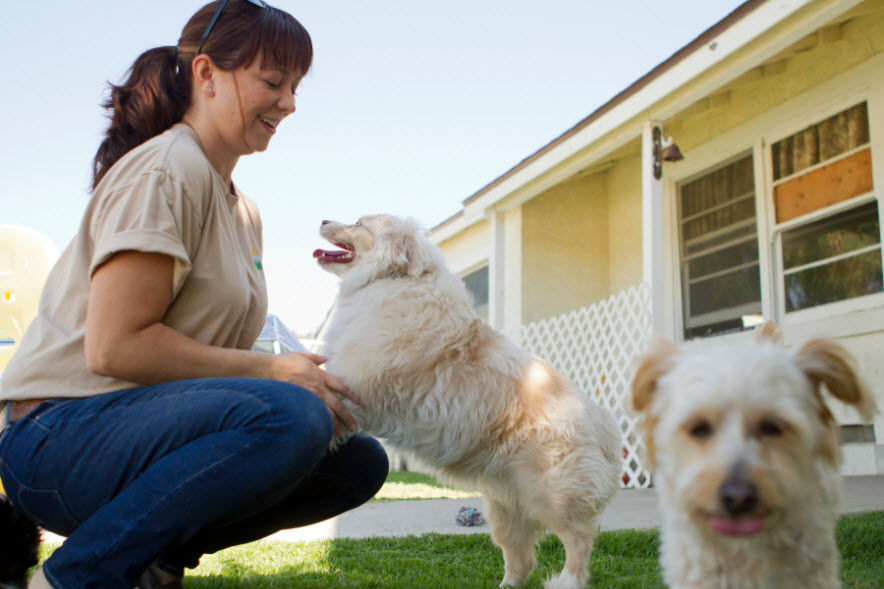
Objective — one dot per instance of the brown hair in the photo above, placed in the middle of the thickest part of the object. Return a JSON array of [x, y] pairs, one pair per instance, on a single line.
[[156, 93]]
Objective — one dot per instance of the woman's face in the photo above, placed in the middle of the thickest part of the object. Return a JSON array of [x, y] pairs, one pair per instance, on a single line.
[[251, 103]]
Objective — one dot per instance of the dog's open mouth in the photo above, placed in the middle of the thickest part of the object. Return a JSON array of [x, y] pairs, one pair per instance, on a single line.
[[344, 255]]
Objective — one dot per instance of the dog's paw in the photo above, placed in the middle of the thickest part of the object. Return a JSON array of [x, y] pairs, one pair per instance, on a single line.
[[338, 441], [565, 580]]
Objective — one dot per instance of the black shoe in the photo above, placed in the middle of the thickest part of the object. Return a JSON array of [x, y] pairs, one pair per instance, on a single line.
[[151, 579]]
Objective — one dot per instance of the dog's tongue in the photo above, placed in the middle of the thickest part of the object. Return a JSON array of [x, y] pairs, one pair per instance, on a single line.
[[742, 526], [331, 256]]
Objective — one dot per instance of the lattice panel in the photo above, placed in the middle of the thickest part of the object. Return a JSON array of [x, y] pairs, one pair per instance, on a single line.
[[596, 347]]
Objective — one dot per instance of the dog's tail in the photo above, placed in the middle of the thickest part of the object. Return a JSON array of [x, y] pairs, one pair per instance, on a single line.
[[19, 541]]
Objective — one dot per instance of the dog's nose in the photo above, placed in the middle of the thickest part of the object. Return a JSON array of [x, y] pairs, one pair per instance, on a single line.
[[325, 222], [738, 497]]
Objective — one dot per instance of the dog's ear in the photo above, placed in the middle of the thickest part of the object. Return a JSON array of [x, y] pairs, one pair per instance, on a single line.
[[656, 362], [769, 331], [405, 250], [826, 362], [392, 253]]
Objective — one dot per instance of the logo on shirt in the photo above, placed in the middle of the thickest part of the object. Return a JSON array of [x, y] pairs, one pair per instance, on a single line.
[[256, 258]]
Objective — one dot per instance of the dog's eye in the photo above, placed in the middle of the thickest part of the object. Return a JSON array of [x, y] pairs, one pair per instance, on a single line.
[[770, 429], [700, 429], [357, 223]]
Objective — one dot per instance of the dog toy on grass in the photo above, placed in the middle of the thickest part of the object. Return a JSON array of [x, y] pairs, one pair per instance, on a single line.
[[470, 517]]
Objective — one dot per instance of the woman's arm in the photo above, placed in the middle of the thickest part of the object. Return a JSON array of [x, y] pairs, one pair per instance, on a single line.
[[125, 337]]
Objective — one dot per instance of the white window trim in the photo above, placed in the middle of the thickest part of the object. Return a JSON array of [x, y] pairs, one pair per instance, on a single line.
[[844, 318]]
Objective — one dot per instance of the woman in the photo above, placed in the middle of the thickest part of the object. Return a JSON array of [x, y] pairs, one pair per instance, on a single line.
[[141, 424]]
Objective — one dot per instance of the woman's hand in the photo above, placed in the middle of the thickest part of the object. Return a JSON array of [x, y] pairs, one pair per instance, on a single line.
[[303, 369]]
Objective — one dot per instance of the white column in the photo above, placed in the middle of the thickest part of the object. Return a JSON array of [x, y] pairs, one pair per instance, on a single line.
[[505, 273], [496, 271], [653, 242], [512, 275]]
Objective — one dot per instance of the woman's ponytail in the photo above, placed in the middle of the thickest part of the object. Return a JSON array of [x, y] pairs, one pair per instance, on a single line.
[[152, 99]]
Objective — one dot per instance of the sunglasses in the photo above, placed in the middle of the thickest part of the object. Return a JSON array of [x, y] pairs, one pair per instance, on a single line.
[[199, 49]]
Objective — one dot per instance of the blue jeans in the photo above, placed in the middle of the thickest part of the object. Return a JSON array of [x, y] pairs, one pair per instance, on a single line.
[[169, 472]]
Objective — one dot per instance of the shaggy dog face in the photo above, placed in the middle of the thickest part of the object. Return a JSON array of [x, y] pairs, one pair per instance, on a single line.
[[438, 382], [376, 246], [747, 454]]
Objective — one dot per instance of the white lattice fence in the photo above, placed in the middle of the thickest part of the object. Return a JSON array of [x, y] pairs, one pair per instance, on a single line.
[[596, 347]]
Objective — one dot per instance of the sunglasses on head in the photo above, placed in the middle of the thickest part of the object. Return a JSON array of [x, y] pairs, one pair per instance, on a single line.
[[199, 49]]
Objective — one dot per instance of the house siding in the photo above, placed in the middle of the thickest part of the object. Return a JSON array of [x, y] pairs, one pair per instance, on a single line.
[[625, 235], [565, 248]]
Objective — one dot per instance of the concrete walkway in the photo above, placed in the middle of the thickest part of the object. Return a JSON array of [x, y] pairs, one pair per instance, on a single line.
[[631, 508]]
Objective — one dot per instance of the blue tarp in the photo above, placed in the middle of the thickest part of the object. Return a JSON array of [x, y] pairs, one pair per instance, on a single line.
[[274, 330]]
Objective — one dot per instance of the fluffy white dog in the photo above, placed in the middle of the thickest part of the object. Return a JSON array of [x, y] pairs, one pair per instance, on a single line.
[[747, 454], [440, 383]]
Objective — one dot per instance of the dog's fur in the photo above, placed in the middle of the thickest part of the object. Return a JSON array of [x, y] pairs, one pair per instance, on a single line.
[[746, 455], [438, 382], [19, 540]]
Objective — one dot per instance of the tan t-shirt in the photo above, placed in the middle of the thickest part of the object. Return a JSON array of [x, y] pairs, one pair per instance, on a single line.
[[164, 197]]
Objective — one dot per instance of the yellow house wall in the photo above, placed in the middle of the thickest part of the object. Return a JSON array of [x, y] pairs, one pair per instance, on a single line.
[[625, 228], [565, 248]]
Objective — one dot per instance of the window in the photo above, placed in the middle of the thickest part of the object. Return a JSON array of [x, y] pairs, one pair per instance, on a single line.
[[826, 212], [477, 285], [718, 238], [833, 259], [820, 243]]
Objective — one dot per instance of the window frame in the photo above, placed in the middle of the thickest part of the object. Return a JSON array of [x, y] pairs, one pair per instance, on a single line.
[[678, 266]]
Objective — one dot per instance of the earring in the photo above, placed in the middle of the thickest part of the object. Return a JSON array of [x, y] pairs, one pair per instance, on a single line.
[[210, 91]]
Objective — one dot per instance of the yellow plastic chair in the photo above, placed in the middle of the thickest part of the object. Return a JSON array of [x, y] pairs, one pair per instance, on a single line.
[[25, 259]]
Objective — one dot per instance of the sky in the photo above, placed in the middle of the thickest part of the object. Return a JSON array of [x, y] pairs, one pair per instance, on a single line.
[[410, 107]]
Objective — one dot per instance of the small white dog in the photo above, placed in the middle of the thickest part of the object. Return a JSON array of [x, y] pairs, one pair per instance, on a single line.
[[747, 454], [440, 383]]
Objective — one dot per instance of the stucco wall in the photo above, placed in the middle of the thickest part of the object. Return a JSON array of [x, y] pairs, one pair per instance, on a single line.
[[565, 248], [625, 228]]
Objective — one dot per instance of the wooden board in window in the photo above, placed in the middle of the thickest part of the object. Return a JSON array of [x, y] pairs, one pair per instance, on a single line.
[[826, 186]]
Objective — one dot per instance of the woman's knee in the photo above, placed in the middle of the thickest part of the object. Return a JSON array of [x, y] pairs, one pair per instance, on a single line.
[[369, 459], [298, 413]]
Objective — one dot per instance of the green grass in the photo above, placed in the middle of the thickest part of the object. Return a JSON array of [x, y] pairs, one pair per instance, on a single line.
[[403, 486], [622, 559]]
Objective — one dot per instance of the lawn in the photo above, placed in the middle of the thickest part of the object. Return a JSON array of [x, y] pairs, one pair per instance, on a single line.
[[622, 559], [406, 486]]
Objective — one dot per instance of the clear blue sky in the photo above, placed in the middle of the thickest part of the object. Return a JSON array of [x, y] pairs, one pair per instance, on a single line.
[[410, 107]]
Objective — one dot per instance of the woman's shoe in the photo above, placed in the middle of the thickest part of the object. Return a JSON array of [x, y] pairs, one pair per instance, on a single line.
[[156, 578]]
